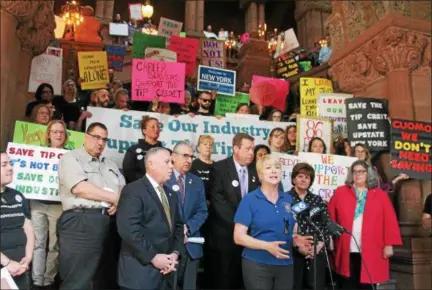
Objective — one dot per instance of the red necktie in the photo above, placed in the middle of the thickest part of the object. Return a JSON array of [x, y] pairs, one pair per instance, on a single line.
[[182, 188]]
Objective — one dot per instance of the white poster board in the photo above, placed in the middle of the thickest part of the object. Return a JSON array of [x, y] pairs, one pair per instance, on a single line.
[[47, 68], [118, 29], [35, 170], [160, 54], [135, 11], [330, 172], [332, 106], [7, 282], [310, 127], [288, 162], [168, 27], [287, 41]]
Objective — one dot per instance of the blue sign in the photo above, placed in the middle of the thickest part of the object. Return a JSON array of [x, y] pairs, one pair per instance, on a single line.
[[222, 81], [116, 55]]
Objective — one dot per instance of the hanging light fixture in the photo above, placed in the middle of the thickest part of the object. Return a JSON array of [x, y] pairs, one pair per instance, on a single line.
[[147, 10], [72, 15]]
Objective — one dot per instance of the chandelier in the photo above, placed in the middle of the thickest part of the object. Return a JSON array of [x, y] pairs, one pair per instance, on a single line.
[[72, 14], [147, 10]]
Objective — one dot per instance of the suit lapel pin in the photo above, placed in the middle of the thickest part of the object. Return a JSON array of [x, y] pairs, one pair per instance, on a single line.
[[190, 181], [175, 187], [235, 183], [253, 178]]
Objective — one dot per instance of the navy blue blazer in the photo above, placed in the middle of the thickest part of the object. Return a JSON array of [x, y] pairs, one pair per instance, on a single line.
[[145, 232], [194, 211]]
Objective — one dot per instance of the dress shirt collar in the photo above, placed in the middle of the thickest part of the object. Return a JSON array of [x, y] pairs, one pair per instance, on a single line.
[[239, 167], [153, 182]]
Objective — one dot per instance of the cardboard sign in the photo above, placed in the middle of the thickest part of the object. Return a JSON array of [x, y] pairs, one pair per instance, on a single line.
[[168, 27], [160, 54], [116, 55], [135, 11], [226, 104], [331, 172], [410, 148], [310, 88], [276, 99], [263, 93], [141, 41], [332, 106], [93, 69], [213, 53], [34, 134], [222, 81], [118, 29], [154, 78], [310, 127], [35, 170], [287, 41], [288, 162], [187, 50], [286, 67], [47, 68], [367, 121]]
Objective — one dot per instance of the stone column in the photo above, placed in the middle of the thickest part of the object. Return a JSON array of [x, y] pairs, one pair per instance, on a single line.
[[199, 25], [108, 10], [190, 15], [100, 7], [261, 15], [247, 20], [253, 10]]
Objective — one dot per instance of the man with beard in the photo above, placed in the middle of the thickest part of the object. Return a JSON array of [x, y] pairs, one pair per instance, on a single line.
[[231, 179], [204, 104], [98, 98]]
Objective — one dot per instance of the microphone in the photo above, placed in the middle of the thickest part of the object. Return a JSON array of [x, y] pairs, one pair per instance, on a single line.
[[299, 208], [333, 228]]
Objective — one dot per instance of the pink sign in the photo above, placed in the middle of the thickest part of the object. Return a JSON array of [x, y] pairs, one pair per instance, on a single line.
[[281, 90], [154, 78], [187, 50]]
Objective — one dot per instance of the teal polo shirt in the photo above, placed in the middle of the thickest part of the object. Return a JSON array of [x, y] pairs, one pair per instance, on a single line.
[[267, 222]]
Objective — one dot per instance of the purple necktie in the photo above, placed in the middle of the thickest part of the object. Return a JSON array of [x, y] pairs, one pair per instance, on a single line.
[[243, 182], [182, 188]]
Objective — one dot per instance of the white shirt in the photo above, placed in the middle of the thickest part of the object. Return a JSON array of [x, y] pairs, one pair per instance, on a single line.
[[356, 233], [155, 186]]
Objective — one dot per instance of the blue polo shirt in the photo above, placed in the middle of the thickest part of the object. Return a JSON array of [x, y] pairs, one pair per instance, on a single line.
[[267, 222]]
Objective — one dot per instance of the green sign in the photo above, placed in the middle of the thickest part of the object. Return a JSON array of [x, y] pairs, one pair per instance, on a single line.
[[34, 134], [141, 41], [306, 65], [182, 34], [225, 104]]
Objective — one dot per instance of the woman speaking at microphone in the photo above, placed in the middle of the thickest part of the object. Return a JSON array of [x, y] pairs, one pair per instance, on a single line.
[[264, 225], [364, 209]]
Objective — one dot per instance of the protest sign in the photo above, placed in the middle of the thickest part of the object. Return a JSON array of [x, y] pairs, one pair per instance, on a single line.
[[286, 67], [288, 162], [331, 172], [160, 54], [310, 88], [286, 42], [187, 50], [47, 68], [367, 123], [35, 170], [34, 134], [142, 40], [135, 11], [168, 27], [118, 29], [7, 282], [310, 127], [226, 104], [265, 94], [305, 66], [93, 69], [222, 81], [332, 106], [154, 78], [212, 53], [124, 128], [116, 55], [410, 148]]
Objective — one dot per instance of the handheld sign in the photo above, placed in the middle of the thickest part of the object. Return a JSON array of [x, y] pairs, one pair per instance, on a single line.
[[213, 53], [116, 55], [168, 27], [310, 88], [228, 104], [222, 81], [332, 106], [47, 68], [187, 50], [141, 41], [160, 54], [93, 69]]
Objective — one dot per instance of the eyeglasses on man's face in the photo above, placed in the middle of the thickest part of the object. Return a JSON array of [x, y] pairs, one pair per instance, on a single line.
[[98, 138]]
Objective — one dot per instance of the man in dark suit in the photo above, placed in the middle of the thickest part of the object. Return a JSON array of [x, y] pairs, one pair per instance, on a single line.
[[150, 226], [192, 208], [232, 178]]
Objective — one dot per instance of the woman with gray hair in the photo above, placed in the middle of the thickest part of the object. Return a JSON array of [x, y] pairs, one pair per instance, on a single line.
[[366, 211]]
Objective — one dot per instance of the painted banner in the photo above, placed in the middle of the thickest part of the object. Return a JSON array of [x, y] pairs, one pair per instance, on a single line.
[[135, 11], [213, 53], [267, 96], [330, 172], [310, 88], [187, 51], [35, 170], [47, 68], [310, 127], [286, 42], [332, 106], [93, 69], [154, 78], [222, 81], [116, 55], [160, 54], [250, 117], [367, 122], [288, 162], [34, 134], [142, 40], [410, 148], [168, 27], [286, 67], [124, 130], [226, 104]]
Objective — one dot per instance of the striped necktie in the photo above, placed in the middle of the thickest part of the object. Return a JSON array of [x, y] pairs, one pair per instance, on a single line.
[[165, 206], [182, 188]]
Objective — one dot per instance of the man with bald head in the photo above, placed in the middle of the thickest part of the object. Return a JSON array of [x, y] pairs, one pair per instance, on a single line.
[[100, 98], [150, 226]]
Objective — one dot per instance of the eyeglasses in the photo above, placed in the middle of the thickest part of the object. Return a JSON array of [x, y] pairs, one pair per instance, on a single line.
[[57, 132], [186, 156], [359, 172], [206, 100], [98, 138]]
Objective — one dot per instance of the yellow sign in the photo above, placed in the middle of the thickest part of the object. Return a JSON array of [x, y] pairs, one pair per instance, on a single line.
[[310, 88], [93, 69]]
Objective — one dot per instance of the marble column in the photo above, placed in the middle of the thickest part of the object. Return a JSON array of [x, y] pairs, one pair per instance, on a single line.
[[190, 15], [27, 27], [253, 10], [100, 6], [261, 15], [199, 24], [108, 10]]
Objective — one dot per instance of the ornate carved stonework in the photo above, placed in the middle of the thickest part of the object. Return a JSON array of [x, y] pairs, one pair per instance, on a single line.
[[36, 23]]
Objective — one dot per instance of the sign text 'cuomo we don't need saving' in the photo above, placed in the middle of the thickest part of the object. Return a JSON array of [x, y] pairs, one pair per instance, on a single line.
[[222, 81]]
